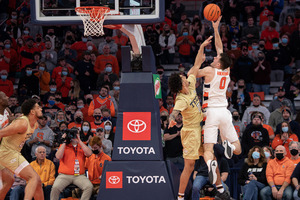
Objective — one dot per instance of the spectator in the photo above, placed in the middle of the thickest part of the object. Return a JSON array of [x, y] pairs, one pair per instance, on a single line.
[[102, 101], [50, 106], [280, 100], [83, 106], [12, 103], [278, 6], [10, 56], [252, 175], [255, 107], [68, 54], [95, 163], [266, 24], [243, 68], [44, 78], [170, 103], [167, 42], [6, 85], [262, 45], [268, 153], [163, 81], [234, 29], [75, 92], [49, 56], [295, 180], [107, 77], [261, 74], [115, 94], [240, 98], [278, 177], [276, 116], [209, 54], [109, 42], [287, 55], [39, 44], [255, 134], [78, 119], [173, 146], [238, 125], [97, 123], [35, 64], [288, 10], [234, 52], [151, 38], [251, 32], [109, 125], [64, 83], [85, 132], [45, 169], [287, 117], [57, 70], [58, 101], [268, 34], [72, 168], [82, 46], [106, 143], [42, 136], [102, 60], [295, 42], [253, 53], [120, 40], [294, 148], [291, 87], [284, 138], [55, 43], [26, 53], [184, 44], [30, 81], [52, 87], [266, 126], [289, 27], [265, 9], [60, 117], [17, 190], [276, 61]]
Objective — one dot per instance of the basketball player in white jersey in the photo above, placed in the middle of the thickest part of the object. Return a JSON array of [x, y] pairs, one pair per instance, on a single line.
[[12, 162], [216, 80]]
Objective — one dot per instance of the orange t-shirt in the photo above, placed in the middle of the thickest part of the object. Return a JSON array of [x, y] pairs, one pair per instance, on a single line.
[[101, 62], [296, 161], [95, 166], [95, 126], [73, 124], [185, 47], [277, 141], [269, 129], [66, 164]]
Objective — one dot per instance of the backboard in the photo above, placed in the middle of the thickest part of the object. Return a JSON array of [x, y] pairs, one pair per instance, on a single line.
[[62, 12]]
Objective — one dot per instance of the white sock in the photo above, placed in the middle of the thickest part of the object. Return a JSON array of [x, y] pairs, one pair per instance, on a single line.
[[180, 196], [220, 188], [208, 164]]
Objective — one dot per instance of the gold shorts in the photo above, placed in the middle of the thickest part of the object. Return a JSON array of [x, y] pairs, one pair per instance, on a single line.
[[191, 142], [12, 160]]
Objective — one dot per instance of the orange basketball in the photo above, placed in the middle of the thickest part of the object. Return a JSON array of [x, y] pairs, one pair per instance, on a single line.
[[212, 12]]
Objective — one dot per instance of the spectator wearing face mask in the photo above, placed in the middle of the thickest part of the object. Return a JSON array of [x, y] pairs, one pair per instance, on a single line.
[[268, 34], [115, 94], [97, 123], [63, 83], [44, 78], [10, 56], [287, 117], [85, 132], [50, 107], [78, 118], [49, 56], [107, 137], [163, 81], [39, 43], [167, 42], [82, 46], [184, 43], [69, 54], [55, 44], [284, 138], [6, 85], [108, 77], [237, 123], [83, 106], [294, 148], [109, 42], [57, 70], [240, 98], [105, 58], [31, 81], [261, 74], [26, 53]]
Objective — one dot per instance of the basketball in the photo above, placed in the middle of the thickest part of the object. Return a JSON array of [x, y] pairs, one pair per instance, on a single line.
[[212, 12]]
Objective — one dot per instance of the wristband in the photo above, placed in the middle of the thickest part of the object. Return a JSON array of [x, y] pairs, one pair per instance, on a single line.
[[272, 186]]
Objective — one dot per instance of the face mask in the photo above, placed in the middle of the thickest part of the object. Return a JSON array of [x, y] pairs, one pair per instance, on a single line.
[[261, 46], [88, 101], [95, 151], [51, 102], [97, 117], [267, 154], [168, 31], [78, 120], [294, 152], [181, 69], [280, 97], [60, 120], [53, 89], [107, 127], [29, 72], [85, 128], [285, 129], [255, 155], [284, 40], [261, 58], [275, 45], [23, 92], [160, 72], [185, 34], [84, 39], [108, 69], [254, 47], [64, 73], [208, 50], [198, 41], [51, 33], [279, 156], [235, 117], [157, 26], [58, 99], [68, 112], [69, 37], [106, 118], [3, 77], [90, 48], [26, 32], [163, 118], [233, 46], [14, 17], [149, 31], [7, 46], [79, 107], [42, 68], [241, 86], [116, 88], [38, 39]]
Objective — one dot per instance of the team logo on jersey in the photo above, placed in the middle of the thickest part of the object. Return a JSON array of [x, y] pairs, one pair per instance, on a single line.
[[137, 126], [114, 179]]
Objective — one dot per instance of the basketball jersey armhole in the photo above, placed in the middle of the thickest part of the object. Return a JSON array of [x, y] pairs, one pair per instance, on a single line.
[[215, 75]]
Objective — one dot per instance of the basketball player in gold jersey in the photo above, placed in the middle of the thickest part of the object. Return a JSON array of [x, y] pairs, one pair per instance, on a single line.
[[187, 102], [12, 162]]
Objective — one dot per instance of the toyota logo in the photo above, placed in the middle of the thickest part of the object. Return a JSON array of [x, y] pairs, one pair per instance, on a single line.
[[136, 126], [114, 180]]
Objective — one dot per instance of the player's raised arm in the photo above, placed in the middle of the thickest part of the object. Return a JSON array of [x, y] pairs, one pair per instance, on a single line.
[[200, 58], [18, 126], [218, 41]]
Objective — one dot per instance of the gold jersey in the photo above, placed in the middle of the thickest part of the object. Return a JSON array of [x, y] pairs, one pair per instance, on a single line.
[[17, 141], [189, 105]]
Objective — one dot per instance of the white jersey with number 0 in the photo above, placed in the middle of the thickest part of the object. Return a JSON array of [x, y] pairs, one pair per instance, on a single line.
[[4, 119], [214, 92]]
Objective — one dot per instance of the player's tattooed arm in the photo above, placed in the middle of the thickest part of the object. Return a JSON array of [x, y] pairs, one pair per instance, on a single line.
[[172, 118]]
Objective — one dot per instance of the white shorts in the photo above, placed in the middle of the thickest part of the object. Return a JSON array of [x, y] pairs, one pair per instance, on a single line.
[[219, 118]]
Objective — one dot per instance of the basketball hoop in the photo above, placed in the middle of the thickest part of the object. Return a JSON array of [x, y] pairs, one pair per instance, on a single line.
[[92, 18]]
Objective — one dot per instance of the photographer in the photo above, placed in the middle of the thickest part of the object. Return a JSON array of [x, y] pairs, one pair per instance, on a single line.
[[73, 150]]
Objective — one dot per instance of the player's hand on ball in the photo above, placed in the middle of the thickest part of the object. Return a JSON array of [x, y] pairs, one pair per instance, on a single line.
[[216, 23], [172, 123]]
